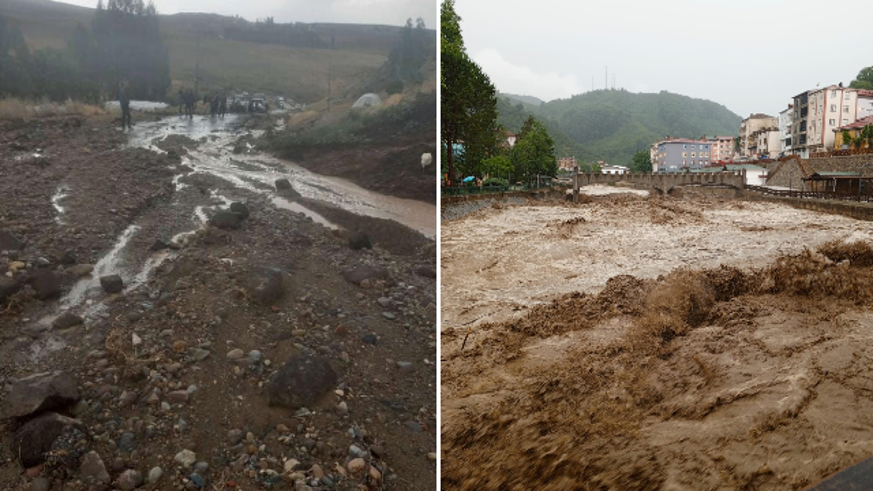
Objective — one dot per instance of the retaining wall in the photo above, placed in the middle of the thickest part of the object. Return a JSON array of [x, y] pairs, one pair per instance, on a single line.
[[852, 209]]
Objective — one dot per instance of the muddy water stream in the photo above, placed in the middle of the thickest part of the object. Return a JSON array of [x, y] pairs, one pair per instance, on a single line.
[[248, 173]]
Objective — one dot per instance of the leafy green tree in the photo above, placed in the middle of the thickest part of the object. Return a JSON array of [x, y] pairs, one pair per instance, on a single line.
[[642, 162], [864, 80], [534, 153], [847, 138], [497, 166], [469, 101]]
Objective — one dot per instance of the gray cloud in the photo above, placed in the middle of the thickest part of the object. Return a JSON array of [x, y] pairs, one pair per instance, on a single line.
[[748, 55], [390, 12]]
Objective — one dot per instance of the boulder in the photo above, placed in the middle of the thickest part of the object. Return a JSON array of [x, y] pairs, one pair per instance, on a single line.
[[360, 240], [8, 286], [283, 185], [265, 285], [46, 283], [36, 437], [93, 470], [80, 270], [66, 321], [240, 209], [9, 242], [364, 272], [426, 272], [130, 480], [112, 283], [301, 382], [226, 219], [39, 392]]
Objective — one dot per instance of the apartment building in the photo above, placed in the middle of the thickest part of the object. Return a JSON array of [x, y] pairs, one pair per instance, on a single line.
[[722, 148], [786, 121], [681, 153], [818, 112], [750, 126], [765, 143], [567, 164]]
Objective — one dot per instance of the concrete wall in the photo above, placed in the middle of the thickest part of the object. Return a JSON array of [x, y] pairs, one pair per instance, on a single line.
[[851, 209]]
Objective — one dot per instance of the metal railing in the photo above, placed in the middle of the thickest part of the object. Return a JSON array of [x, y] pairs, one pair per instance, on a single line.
[[790, 193]]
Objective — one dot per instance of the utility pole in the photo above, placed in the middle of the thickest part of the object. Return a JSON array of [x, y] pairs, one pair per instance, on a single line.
[[197, 68]]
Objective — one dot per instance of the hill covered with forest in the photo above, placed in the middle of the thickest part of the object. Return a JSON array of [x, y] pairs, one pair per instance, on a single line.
[[612, 125]]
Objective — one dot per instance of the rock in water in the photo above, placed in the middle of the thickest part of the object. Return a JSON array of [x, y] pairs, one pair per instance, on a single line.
[[9, 242], [359, 240], [46, 283], [112, 283], [265, 285], [283, 185], [226, 219], [301, 382], [66, 321], [93, 470], [40, 392], [35, 438], [240, 209], [426, 160]]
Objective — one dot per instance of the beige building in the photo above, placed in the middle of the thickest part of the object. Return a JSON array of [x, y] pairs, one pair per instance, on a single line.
[[765, 143], [750, 126], [818, 112], [722, 148]]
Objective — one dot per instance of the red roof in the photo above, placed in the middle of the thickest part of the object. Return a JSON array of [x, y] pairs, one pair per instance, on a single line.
[[857, 124]]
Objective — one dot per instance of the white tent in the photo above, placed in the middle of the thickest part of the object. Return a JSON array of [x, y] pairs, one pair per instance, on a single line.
[[368, 100]]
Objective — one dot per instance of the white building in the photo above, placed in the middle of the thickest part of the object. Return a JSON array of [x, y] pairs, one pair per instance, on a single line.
[[786, 120], [614, 169]]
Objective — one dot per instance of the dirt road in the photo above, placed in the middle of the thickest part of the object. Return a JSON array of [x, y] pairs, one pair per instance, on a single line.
[[754, 376], [177, 374]]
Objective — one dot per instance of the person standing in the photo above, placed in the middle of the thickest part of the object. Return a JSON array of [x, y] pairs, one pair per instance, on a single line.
[[222, 106], [124, 102]]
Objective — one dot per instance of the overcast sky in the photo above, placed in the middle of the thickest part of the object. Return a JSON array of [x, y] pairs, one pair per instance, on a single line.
[[389, 12], [749, 55]]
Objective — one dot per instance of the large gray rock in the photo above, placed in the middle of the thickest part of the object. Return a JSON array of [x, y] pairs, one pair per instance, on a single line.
[[66, 321], [226, 219], [283, 185], [40, 392], [364, 272], [265, 285], [8, 286], [301, 382], [46, 283], [93, 470], [35, 438], [240, 208], [130, 480], [360, 240], [9, 242], [112, 283]]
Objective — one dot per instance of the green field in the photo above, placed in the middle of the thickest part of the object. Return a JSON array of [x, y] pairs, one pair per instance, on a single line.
[[298, 73]]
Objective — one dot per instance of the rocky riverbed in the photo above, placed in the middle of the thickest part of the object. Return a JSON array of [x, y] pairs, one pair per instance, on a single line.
[[171, 320]]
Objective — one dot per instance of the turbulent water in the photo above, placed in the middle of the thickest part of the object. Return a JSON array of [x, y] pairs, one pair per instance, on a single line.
[[247, 173]]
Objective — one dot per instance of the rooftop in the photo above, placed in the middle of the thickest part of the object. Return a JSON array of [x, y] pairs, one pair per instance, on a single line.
[[857, 124]]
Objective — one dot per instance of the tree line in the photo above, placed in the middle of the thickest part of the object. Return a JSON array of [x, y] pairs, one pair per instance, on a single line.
[[268, 32], [123, 45], [473, 144]]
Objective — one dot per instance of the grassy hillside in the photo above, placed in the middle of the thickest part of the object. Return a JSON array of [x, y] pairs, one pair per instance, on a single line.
[[614, 124], [298, 73], [511, 114]]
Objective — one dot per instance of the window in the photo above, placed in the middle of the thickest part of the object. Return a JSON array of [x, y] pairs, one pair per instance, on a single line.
[[684, 154], [683, 162], [685, 146], [833, 108], [845, 122], [845, 109], [848, 96], [692, 155], [692, 147], [833, 93], [832, 122]]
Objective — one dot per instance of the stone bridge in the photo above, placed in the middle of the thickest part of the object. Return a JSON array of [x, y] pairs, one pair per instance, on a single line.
[[663, 183]]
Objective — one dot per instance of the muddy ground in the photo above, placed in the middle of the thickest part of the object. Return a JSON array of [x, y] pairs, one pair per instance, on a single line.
[[182, 359], [707, 376]]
